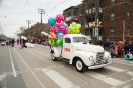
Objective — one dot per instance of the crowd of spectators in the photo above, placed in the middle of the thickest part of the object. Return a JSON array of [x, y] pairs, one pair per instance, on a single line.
[[119, 48]]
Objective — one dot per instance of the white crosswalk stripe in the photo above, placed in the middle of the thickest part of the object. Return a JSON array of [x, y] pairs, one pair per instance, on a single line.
[[130, 73], [104, 78], [59, 79], [115, 69]]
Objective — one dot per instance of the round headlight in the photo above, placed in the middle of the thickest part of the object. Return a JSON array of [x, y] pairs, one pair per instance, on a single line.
[[91, 58], [109, 56]]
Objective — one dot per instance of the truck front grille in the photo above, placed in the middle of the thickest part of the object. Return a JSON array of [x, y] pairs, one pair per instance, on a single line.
[[99, 57]]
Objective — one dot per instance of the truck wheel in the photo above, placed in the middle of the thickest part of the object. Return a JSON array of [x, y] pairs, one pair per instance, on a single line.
[[53, 57], [80, 66]]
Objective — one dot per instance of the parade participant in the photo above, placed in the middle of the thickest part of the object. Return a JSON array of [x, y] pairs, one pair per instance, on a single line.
[[12, 42], [21, 43], [18, 41]]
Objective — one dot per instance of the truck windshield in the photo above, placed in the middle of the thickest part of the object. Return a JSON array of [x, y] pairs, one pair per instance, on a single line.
[[80, 39]]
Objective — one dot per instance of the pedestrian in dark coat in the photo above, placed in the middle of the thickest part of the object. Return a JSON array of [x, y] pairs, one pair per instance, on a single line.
[[130, 47], [13, 42]]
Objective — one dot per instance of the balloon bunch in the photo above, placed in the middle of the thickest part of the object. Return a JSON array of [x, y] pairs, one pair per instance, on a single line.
[[58, 30], [74, 28]]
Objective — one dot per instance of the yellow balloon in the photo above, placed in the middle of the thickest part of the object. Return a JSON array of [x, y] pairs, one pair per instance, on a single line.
[[77, 31], [71, 25], [73, 30], [53, 36], [77, 27]]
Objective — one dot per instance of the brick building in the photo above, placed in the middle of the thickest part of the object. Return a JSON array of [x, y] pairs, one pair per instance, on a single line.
[[116, 17]]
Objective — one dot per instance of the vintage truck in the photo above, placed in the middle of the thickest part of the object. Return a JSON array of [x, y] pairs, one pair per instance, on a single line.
[[77, 50]]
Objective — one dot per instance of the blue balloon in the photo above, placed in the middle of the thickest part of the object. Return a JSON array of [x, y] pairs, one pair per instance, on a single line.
[[57, 35], [62, 32], [57, 30], [61, 23], [52, 21], [65, 25]]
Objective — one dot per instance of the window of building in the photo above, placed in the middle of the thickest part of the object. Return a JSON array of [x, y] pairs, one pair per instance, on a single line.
[[112, 31], [112, 3], [128, 31], [129, 1], [128, 15], [112, 17]]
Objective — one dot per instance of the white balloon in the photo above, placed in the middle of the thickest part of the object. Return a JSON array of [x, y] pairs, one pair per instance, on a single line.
[[60, 35]]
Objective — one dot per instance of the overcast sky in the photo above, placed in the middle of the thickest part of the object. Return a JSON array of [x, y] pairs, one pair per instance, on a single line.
[[17, 12]]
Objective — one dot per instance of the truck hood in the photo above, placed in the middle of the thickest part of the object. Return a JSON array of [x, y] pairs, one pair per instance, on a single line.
[[89, 47]]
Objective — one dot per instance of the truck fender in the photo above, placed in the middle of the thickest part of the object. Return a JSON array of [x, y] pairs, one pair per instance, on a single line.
[[84, 56]]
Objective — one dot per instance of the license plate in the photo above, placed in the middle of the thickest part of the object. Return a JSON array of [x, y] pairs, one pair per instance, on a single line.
[[109, 60]]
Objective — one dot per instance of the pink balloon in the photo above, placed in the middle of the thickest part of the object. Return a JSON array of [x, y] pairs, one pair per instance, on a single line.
[[59, 18], [57, 25], [62, 28], [65, 32]]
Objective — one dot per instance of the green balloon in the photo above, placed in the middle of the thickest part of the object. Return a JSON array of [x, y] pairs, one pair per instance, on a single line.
[[74, 24], [70, 28], [52, 42], [79, 26], [61, 42]]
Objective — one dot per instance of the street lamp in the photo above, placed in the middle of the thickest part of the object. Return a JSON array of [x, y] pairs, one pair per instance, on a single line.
[[3, 16]]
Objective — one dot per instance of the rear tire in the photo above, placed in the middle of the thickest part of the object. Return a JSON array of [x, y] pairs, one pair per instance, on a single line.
[[79, 65], [53, 57]]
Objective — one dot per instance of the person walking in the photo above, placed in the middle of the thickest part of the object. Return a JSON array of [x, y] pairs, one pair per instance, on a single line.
[[106, 45], [17, 41], [130, 47], [12, 42], [21, 43]]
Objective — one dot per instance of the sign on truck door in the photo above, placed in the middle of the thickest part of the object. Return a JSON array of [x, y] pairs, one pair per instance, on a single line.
[[67, 48]]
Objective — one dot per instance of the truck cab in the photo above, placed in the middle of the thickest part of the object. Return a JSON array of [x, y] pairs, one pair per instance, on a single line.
[[77, 50]]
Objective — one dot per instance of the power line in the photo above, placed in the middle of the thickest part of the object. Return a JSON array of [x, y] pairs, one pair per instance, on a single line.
[[22, 10], [57, 6]]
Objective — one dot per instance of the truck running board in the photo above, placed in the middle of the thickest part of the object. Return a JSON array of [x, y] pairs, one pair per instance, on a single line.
[[64, 59]]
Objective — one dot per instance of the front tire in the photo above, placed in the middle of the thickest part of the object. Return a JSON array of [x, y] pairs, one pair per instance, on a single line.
[[53, 57], [80, 66]]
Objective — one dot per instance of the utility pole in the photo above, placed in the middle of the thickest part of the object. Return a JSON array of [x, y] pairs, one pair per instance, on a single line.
[[29, 22], [96, 19], [123, 30], [41, 11]]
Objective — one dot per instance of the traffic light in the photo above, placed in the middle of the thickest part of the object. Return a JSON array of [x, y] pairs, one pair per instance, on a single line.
[[100, 24], [92, 24]]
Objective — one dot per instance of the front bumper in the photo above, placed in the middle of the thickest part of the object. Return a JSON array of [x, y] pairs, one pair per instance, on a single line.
[[101, 65]]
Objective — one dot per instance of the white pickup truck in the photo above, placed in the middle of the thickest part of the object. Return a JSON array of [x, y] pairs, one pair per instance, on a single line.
[[77, 50]]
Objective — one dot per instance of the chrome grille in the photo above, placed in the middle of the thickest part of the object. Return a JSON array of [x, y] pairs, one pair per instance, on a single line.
[[99, 57]]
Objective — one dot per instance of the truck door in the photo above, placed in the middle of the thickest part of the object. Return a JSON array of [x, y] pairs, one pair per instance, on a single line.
[[67, 48]]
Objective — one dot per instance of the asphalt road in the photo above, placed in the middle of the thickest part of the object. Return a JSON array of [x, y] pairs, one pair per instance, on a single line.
[[34, 68]]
